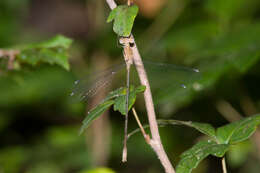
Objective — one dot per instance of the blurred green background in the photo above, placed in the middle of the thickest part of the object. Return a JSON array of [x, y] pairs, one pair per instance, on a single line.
[[39, 122]]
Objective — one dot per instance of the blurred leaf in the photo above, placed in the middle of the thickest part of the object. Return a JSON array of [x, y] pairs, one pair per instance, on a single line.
[[44, 167], [123, 16], [192, 157], [99, 170], [94, 113], [57, 41], [121, 99], [190, 38], [227, 55], [26, 87], [12, 12], [228, 10], [62, 137], [12, 158], [238, 154], [53, 51], [225, 10], [238, 131]]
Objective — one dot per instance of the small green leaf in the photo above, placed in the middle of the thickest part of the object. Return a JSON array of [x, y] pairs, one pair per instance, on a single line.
[[192, 157], [99, 170], [112, 15], [116, 97], [57, 41], [116, 93], [204, 128], [123, 16], [53, 51], [140, 89], [238, 131], [94, 113], [121, 100]]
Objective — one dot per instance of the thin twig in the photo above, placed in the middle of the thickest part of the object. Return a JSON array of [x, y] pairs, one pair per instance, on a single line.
[[155, 142], [146, 136], [10, 54], [224, 167], [227, 111], [111, 4]]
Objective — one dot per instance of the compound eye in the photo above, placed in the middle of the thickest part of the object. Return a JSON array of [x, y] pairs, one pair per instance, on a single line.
[[131, 44]]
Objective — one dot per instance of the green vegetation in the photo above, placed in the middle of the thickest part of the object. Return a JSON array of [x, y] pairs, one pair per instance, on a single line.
[[47, 45]]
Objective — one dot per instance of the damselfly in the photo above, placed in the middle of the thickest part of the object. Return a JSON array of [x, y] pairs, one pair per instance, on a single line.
[[87, 88]]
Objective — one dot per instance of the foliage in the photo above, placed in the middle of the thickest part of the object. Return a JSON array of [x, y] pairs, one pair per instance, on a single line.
[[39, 124], [99, 170], [221, 140], [52, 51], [123, 16], [116, 98]]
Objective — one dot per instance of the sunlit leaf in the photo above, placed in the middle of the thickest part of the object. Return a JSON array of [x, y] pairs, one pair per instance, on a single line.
[[192, 157], [94, 113], [123, 16], [238, 154], [204, 128], [53, 51], [120, 102], [99, 170], [238, 131]]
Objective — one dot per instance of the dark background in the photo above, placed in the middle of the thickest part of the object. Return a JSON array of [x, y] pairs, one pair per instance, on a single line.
[[39, 123]]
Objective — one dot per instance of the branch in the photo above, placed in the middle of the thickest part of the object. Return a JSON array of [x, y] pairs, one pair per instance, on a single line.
[[111, 4], [10, 54], [155, 142]]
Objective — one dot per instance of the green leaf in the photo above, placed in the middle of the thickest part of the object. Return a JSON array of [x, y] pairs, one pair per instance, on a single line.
[[204, 128], [53, 51], [121, 100], [116, 93], [116, 97], [123, 16], [94, 113], [238, 131], [112, 15], [192, 157], [99, 170], [57, 41]]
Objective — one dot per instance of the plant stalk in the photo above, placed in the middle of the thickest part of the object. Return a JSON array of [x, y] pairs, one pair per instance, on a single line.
[[155, 142], [224, 167]]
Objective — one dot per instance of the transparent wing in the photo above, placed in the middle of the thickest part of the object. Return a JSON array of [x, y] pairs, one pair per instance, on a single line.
[[162, 77], [169, 81], [85, 88]]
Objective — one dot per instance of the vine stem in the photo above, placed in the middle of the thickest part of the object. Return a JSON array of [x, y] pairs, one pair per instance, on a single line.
[[155, 142], [224, 167]]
